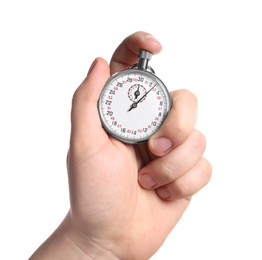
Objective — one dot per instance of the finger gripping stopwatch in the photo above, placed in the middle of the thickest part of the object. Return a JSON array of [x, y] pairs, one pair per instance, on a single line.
[[134, 102]]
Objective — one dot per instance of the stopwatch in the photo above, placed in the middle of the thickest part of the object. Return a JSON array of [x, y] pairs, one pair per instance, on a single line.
[[134, 103]]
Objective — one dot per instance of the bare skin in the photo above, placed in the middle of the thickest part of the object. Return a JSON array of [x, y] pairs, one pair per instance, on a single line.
[[126, 199]]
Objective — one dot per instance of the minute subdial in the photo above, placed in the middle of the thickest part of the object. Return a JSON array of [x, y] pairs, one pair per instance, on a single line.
[[136, 91]]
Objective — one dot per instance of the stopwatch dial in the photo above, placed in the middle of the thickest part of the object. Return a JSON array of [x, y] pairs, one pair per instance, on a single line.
[[133, 105], [136, 91]]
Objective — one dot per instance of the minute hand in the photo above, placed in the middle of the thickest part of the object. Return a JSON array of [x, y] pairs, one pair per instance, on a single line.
[[134, 105]]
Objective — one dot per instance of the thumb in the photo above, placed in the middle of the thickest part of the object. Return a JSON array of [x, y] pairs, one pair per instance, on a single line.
[[87, 133]]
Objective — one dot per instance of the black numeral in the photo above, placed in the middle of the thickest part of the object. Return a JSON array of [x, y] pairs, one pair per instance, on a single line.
[[153, 123], [118, 84]]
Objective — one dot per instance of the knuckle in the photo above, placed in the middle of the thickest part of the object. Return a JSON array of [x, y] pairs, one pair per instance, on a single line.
[[206, 169], [186, 94], [75, 97], [182, 188], [193, 98], [168, 172], [181, 126], [199, 140]]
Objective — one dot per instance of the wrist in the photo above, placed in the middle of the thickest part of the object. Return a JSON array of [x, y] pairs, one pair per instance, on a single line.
[[67, 243]]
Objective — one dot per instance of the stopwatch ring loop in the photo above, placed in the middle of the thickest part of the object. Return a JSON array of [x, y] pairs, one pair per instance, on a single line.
[[135, 66]]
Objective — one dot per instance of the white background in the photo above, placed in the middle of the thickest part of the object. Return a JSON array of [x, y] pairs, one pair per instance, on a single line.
[[213, 48]]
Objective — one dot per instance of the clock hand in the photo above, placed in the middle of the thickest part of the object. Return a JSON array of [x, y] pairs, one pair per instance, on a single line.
[[137, 93], [134, 105], [145, 94]]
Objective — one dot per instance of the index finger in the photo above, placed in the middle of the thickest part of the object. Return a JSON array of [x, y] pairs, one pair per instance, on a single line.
[[179, 124], [126, 53]]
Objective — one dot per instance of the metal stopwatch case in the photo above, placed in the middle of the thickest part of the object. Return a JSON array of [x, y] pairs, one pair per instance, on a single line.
[[134, 102]]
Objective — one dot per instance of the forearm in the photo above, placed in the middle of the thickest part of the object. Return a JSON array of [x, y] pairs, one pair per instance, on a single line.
[[60, 245]]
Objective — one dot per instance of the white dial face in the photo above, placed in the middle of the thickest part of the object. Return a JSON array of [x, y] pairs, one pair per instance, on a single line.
[[133, 105]]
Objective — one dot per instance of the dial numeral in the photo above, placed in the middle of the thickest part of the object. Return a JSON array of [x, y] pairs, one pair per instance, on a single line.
[[153, 123], [118, 84], [141, 79]]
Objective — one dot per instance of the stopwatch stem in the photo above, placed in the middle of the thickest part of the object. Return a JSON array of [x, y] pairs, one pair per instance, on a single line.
[[144, 58]]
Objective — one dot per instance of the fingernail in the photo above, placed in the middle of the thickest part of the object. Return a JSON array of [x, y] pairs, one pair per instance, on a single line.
[[147, 181], [161, 145], [92, 66], [163, 193], [150, 37]]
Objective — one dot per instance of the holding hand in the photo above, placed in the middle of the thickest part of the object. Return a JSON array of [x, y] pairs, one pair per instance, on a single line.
[[125, 199]]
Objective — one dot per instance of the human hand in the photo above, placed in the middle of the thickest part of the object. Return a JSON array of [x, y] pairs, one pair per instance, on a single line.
[[125, 199]]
